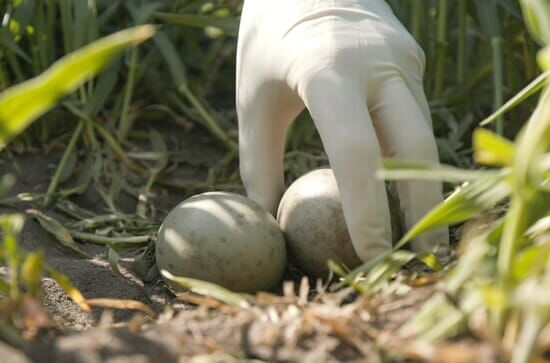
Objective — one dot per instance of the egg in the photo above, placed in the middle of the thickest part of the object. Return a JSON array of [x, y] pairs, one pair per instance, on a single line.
[[311, 217], [223, 238]]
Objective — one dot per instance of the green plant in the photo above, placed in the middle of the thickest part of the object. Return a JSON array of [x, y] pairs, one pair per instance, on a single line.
[[19, 107], [22, 104], [504, 271], [20, 290]]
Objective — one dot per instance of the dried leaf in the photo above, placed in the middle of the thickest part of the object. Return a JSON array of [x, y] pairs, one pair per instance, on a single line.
[[122, 305], [69, 288], [54, 227]]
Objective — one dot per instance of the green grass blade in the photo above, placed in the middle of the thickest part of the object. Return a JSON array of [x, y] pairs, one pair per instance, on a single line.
[[488, 15], [394, 169], [6, 182], [11, 226], [177, 70], [498, 82], [544, 59], [442, 44], [539, 227], [108, 14], [173, 60], [462, 33], [69, 288], [91, 164], [142, 13], [69, 151], [125, 122], [537, 20], [380, 274], [492, 149], [55, 228], [468, 264], [208, 289], [7, 41], [159, 146], [436, 319], [32, 270], [465, 203], [228, 25], [104, 87], [21, 104], [530, 262], [118, 242], [113, 258], [533, 87]]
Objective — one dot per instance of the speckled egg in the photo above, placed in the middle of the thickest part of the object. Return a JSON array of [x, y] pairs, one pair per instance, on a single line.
[[224, 238], [311, 217]]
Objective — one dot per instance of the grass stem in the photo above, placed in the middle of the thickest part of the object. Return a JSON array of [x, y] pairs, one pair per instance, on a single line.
[[441, 49], [210, 122], [69, 150], [496, 45], [417, 18], [462, 32], [125, 123], [104, 240]]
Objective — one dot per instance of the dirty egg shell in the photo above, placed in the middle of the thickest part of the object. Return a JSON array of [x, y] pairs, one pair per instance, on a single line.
[[223, 238], [311, 217]]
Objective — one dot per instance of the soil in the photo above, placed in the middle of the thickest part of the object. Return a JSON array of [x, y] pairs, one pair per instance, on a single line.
[[301, 324]]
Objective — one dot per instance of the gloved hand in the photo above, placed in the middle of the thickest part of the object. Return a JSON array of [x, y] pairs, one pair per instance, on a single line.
[[359, 73]]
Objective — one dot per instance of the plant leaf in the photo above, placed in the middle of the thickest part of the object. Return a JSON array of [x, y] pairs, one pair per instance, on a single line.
[[492, 149], [113, 258], [382, 272], [465, 203], [159, 147], [54, 227], [31, 271], [530, 262], [207, 289], [524, 94], [105, 85], [539, 227], [69, 288], [543, 58], [6, 40], [436, 319], [170, 54], [228, 25], [469, 263], [395, 169], [431, 261], [144, 265], [23, 103]]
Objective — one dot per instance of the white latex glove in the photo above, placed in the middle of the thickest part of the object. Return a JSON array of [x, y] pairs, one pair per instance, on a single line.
[[359, 73]]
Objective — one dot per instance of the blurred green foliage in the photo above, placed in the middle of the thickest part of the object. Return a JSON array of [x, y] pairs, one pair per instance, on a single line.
[[498, 288], [20, 105], [470, 69]]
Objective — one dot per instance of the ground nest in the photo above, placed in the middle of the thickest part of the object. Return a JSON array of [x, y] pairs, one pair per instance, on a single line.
[[303, 321]]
